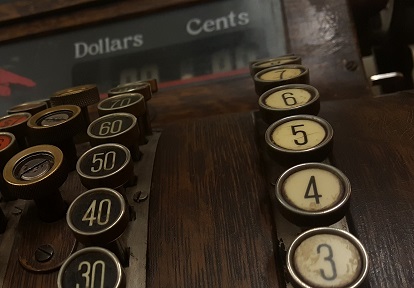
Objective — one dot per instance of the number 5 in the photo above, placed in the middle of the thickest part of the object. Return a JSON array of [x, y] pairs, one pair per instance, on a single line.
[[303, 133]]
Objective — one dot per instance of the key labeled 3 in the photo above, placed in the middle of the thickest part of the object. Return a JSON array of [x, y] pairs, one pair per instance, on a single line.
[[327, 257]]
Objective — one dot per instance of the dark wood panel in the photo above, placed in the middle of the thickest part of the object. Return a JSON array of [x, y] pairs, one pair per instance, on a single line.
[[322, 33], [20, 9], [230, 96], [203, 171], [210, 223], [373, 147], [89, 15]]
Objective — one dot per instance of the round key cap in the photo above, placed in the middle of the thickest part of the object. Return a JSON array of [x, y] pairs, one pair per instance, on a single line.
[[327, 257], [146, 88], [8, 148], [98, 216], [29, 107], [133, 103], [57, 126], [313, 194], [288, 100], [119, 128], [298, 139], [107, 165], [36, 173], [82, 96], [92, 267], [17, 125], [259, 65], [280, 75]]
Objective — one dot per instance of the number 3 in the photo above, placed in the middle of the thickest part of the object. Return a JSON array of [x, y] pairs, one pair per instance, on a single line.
[[329, 259]]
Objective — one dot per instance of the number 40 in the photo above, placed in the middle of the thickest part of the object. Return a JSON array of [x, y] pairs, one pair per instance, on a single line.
[[100, 218]]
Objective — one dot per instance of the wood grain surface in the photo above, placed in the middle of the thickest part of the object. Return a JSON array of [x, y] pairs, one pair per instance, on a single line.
[[322, 32], [373, 146], [210, 223], [207, 230], [21, 9], [88, 15], [210, 215]]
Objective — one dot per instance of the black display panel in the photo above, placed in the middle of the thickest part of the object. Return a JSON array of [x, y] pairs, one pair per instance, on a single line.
[[199, 43]]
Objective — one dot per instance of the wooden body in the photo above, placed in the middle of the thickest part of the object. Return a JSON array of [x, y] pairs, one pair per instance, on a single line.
[[211, 212], [210, 224]]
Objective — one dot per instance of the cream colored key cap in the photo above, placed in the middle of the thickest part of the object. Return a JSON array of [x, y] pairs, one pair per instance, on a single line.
[[281, 74], [288, 98], [299, 134], [327, 257], [312, 189]]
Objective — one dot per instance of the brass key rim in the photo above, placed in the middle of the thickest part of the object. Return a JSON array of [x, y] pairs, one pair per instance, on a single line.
[[118, 226], [108, 116], [304, 71], [92, 150], [119, 271], [35, 187], [27, 107], [10, 144], [330, 231], [25, 115], [83, 95], [137, 107], [325, 124], [257, 66], [338, 207], [313, 91]]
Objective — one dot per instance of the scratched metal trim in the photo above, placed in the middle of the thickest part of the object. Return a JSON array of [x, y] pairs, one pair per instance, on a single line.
[[13, 211], [136, 235]]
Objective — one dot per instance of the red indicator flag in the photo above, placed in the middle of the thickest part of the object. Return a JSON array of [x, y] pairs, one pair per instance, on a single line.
[[7, 78]]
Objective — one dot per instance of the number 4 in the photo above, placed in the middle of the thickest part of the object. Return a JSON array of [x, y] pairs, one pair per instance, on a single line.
[[312, 187]]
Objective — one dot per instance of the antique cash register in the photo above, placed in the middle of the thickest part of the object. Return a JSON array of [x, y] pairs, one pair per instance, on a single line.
[[199, 144]]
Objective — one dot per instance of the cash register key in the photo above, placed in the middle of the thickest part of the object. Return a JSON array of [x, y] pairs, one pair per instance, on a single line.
[[313, 194], [82, 96], [29, 107], [280, 75], [17, 125], [298, 139], [146, 88], [133, 103], [327, 257], [119, 128], [107, 165], [98, 217], [288, 100], [36, 173], [57, 126], [8, 148], [259, 65], [91, 267]]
